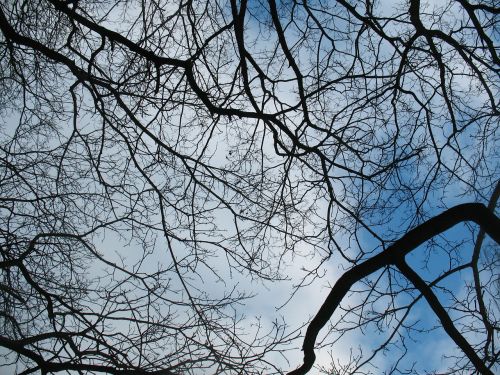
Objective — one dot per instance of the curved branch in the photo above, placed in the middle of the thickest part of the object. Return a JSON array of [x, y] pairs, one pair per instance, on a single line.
[[475, 212], [443, 316], [475, 271], [53, 367]]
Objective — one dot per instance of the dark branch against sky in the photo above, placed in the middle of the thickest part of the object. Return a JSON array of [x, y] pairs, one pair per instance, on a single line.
[[165, 164]]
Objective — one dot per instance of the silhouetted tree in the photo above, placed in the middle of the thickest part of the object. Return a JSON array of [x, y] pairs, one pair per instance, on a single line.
[[156, 156]]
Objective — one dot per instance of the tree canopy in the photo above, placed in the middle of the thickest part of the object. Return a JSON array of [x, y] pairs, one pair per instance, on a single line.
[[163, 162]]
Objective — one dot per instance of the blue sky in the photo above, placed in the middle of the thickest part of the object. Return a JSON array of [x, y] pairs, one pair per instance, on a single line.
[[218, 211]]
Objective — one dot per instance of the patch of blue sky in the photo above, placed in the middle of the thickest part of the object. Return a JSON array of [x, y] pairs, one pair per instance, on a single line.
[[305, 301]]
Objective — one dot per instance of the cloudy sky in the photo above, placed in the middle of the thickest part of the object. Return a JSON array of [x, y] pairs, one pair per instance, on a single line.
[[298, 143]]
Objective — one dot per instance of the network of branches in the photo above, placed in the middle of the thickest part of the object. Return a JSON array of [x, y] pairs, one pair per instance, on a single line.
[[163, 161]]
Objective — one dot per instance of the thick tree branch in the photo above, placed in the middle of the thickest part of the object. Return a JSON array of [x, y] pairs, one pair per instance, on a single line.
[[475, 212], [475, 272], [443, 316], [54, 367]]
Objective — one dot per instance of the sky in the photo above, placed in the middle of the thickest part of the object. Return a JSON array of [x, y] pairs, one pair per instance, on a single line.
[[221, 141]]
